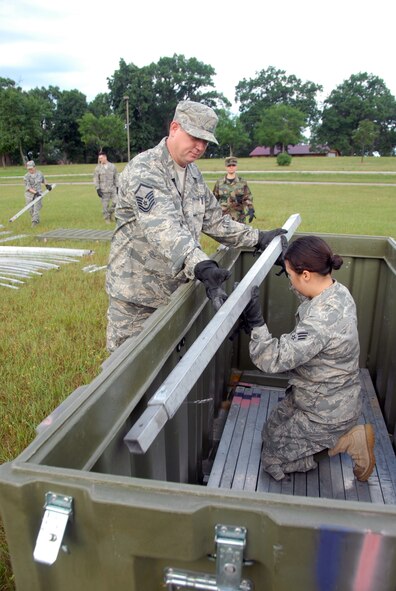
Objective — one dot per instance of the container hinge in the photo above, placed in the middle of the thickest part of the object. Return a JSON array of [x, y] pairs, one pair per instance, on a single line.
[[230, 543], [58, 510]]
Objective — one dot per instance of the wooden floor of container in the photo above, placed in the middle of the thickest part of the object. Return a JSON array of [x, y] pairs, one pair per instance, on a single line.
[[237, 463]]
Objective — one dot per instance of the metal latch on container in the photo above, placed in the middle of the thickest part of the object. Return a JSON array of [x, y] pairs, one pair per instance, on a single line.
[[58, 510], [230, 541]]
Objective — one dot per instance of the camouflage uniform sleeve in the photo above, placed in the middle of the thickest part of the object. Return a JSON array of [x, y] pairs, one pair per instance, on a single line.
[[27, 179], [96, 177], [291, 350], [216, 190], [223, 228], [247, 196]]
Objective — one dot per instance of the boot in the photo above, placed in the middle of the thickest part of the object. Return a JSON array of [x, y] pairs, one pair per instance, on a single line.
[[359, 444]]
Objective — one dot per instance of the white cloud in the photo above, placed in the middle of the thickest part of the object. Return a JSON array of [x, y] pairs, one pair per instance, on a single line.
[[79, 44]]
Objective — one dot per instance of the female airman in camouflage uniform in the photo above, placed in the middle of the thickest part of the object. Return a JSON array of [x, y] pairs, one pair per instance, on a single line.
[[321, 355]]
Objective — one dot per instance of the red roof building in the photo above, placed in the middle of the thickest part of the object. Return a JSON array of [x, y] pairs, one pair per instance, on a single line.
[[298, 150]]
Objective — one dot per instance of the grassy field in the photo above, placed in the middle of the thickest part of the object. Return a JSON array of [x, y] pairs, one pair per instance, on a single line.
[[314, 164], [53, 328]]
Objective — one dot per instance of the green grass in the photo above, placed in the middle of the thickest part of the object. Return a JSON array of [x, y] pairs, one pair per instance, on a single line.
[[276, 176], [343, 163], [342, 169], [53, 328], [340, 164]]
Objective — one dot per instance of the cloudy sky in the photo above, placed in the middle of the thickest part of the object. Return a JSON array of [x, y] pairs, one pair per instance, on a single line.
[[78, 44]]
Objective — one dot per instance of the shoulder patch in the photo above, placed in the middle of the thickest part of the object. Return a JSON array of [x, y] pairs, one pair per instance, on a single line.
[[145, 198]]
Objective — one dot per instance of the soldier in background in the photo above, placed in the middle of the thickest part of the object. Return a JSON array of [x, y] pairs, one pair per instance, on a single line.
[[33, 181], [323, 400], [163, 206], [233, 193], [106, 183]]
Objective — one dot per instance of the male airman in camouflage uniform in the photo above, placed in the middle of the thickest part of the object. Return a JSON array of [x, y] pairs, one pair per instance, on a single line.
[[33, 181], [323, 400], [163, 206], [106, 183], [233, 193]]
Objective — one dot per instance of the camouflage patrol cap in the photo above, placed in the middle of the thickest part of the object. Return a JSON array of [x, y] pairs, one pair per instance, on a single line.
[[196, 119], [30, 164], [231, 160]]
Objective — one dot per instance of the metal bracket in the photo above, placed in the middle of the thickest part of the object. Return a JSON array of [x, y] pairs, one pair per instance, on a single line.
[[230, 541], [58, 510]]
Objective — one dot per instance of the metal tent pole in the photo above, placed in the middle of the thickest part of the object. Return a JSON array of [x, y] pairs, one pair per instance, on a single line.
[[29, 205]]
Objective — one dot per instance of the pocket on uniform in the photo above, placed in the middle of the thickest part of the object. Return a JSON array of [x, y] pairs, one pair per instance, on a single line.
[[198, 206]]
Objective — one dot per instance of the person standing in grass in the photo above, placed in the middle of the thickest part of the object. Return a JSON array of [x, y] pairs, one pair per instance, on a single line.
[[233, 193], [163, 207], [106, 183], [33, 181], [323, 399]]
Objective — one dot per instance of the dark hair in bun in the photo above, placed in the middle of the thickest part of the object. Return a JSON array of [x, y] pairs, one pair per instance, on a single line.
[[311, 253]]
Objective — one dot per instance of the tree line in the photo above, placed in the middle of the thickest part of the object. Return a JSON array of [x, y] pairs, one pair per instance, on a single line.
[[275, 109]]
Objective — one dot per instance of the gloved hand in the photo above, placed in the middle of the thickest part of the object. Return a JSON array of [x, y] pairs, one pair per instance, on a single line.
[[212, 276], [252, 315], [280, 261], [99, 192], [251, 213], [48, 187], [37, 194], [265, 238]]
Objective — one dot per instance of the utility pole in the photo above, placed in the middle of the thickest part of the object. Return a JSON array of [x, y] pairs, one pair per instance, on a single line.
[[126, 99]]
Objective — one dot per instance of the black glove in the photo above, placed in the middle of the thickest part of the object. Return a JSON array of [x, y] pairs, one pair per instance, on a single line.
[[212, 276], [252, 315], [48, 187], [251, 213], [37, 194], [265, 238], [99, 192], [280, 261]]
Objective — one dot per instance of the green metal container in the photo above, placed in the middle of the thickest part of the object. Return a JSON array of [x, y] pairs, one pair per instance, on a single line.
[[82, 512]]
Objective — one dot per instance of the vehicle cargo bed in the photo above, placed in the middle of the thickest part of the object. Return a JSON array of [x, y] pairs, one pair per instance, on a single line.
[[237, 463]]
